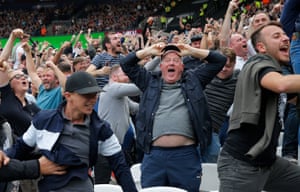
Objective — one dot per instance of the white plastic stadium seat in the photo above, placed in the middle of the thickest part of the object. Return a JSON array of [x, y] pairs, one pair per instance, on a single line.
[[107, 188], [135, 170], [209, 179], [280, 138], [162, 189]]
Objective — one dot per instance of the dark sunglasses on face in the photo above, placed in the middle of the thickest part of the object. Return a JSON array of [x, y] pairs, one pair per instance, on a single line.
[[19, 76]]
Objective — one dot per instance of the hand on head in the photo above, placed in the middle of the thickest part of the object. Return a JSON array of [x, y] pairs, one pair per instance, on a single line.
[[156, 49]]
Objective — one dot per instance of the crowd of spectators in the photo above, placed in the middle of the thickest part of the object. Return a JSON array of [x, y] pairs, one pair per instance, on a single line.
[[30, 21], [71, 18], [230, 33]]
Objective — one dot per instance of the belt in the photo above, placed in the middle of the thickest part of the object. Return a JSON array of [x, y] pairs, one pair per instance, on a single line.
[[296, 35]]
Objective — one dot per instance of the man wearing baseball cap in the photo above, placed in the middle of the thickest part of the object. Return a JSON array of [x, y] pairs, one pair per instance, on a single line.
[[189, 61], [173, 118], [71, 136]]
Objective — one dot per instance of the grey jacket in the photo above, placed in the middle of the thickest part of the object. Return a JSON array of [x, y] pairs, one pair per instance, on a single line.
[[247, 101]]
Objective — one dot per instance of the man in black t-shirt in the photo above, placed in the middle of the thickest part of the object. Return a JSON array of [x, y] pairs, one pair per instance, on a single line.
[[248, 160]]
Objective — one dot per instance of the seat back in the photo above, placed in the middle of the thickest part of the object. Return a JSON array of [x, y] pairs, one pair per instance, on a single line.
[[107, 187], [136, 173], [209, 179], [162, 189]]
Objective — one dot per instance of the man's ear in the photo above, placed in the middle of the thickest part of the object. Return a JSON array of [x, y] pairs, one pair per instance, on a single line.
[[107, 45], [114, 77], [260, 46], [182, 67]]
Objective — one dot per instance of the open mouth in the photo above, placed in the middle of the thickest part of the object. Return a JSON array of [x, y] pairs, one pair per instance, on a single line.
[[284, 49]]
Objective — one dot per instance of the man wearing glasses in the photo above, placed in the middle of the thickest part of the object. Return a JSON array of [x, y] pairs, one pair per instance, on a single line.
[[13, 87]]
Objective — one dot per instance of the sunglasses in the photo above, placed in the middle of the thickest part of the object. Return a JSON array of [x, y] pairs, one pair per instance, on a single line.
[[19, 76]]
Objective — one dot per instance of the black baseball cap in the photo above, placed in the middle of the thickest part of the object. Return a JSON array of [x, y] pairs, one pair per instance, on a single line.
[[82, 83], [170, 48], [196, 38]]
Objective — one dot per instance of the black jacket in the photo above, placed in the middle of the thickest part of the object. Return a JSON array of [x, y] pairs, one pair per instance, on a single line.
[[193, 83]]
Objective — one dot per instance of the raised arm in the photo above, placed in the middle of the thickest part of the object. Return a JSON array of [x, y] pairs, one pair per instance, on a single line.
[[208, 28], [16, 33], [59, 74], [194, 52], [31, 66], [60, 52], [4, 67], [225, 30], [241, 23], [77, 37]]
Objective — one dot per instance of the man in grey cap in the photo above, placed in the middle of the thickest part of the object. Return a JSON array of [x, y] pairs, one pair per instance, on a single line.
[[71, 136]]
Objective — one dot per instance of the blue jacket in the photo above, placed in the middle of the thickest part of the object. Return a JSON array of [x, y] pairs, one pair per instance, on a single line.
[[192, 83], [44, 133], [290, 17]]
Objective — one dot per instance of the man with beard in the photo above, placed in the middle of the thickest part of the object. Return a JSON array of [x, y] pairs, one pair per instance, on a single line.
[[49, 85], [101, 63], [100, 68], [248, 160]]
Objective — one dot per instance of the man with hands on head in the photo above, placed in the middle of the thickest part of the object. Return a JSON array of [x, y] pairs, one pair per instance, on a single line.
[[173, 118]]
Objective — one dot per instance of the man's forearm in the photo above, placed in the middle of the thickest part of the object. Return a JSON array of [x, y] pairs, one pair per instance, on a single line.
[[16, 170]]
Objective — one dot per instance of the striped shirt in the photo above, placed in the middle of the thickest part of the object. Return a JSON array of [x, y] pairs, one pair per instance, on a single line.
[[105, 59], [220, 94]]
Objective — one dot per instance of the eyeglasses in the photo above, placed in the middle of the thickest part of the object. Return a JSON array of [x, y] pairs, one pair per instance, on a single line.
[[19, 76]]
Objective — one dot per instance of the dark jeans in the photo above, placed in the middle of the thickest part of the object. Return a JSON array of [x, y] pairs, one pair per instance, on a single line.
[[223, 131], [212, 151], [236, 175], [290, 137], [176, 167], [291, 124]]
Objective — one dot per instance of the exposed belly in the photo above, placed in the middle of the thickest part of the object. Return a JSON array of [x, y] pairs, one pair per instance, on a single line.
[[173, 141]]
